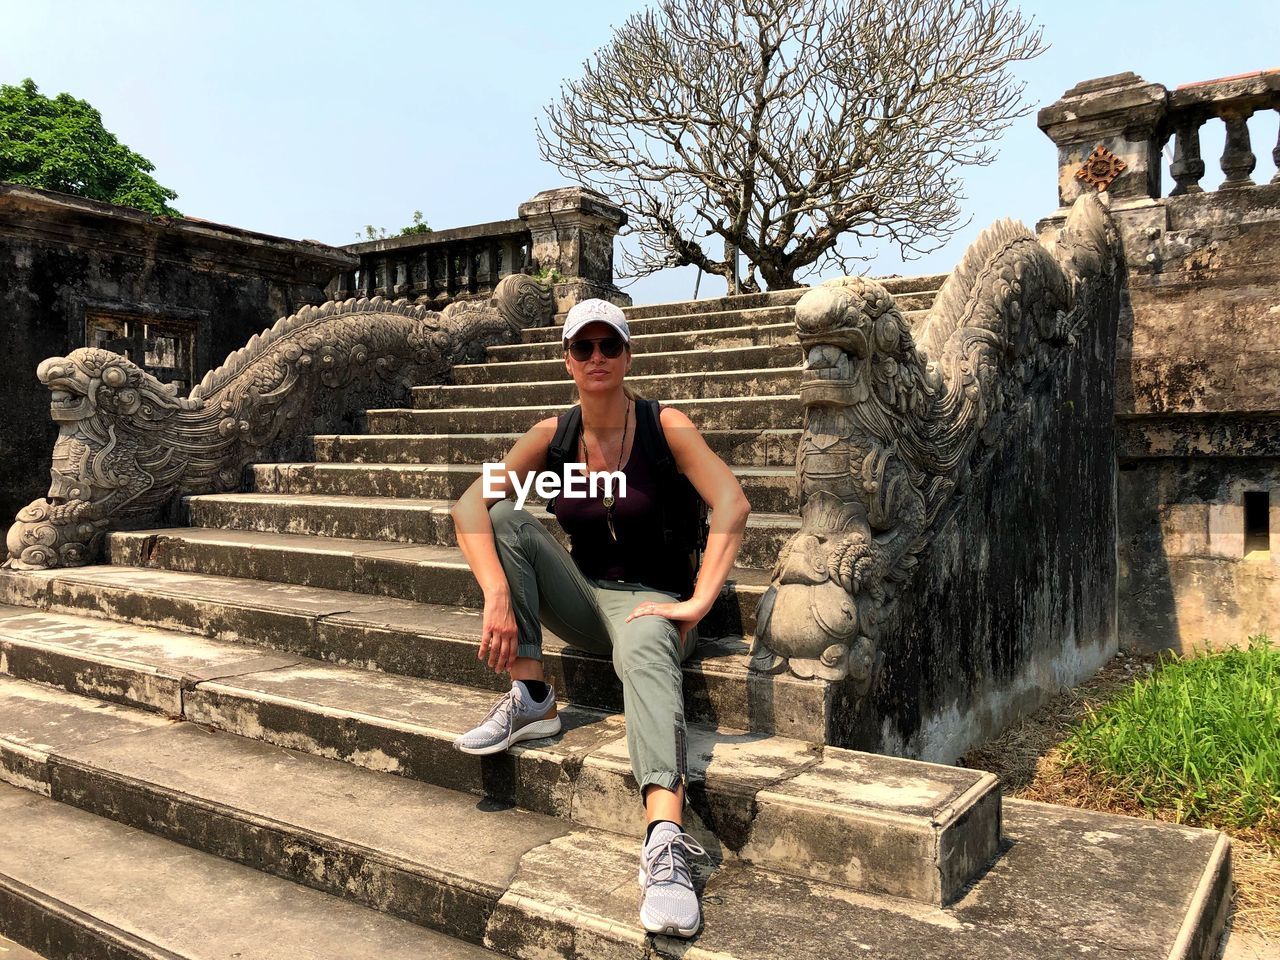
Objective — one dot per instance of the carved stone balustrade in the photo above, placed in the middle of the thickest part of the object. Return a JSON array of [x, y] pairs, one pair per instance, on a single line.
[[955, 474], [1232, 100], [437, 268], [129, 448], [1133, 120], [569, 230]]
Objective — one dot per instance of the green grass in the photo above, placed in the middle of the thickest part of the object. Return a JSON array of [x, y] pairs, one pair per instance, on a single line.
[[1200, 737]]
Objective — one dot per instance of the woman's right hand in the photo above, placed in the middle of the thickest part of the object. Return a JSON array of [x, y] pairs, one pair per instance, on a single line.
[[499, 637]]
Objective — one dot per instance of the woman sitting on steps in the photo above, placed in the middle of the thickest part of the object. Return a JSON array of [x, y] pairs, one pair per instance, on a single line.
[[625, 590]]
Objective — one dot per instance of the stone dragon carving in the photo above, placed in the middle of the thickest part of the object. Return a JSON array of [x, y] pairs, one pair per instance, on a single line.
[[128, 446], [896, 417]]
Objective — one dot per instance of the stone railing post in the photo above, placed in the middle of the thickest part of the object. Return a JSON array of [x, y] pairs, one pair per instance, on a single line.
[[1238, 160], [573, 229], [1122, 113]]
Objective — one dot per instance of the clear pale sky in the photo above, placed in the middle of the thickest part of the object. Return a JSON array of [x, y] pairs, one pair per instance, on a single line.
[[312, 119]]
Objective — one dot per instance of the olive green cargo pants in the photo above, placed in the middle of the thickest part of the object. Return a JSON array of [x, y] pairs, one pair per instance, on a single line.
[[548, 588]]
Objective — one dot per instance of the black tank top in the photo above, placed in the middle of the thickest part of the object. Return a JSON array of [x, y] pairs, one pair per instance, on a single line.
[[639, 554]]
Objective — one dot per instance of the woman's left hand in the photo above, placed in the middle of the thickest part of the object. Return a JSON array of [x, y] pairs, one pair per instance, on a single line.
[[684, 614]]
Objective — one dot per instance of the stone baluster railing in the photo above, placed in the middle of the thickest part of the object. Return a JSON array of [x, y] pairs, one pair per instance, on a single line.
[[1233, 101], [439, 267], [1131, 120], [569, 231]]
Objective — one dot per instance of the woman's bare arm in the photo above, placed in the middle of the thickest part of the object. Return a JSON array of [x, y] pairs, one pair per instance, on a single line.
[[498, 637]]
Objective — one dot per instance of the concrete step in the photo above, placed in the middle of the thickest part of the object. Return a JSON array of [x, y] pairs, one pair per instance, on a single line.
[[73, 884], [1124, 894], [642, 364], [677, 323], [911, 290], [395, 520], [1069, 881], [717, 384], [779, 335], [743, 328], [741, 301], [759, 448], [424, 573], [770, 489], [877, 824], [432, 641], [11, 950], [914, 306], [728, 413]]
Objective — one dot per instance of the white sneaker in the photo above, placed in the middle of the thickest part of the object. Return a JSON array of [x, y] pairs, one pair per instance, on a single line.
[[515, 717], [668, 901]]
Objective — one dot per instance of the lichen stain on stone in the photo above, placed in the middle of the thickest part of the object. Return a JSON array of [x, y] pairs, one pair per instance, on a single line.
[[376, 759], [1099, 836], [1205, 259]]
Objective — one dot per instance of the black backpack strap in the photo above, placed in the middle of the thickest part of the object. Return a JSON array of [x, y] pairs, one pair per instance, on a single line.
[[649, 430], [683, 511], [657, 452], [564, 444]]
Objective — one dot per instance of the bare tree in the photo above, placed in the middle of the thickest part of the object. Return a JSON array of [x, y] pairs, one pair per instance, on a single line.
[[780, 126]]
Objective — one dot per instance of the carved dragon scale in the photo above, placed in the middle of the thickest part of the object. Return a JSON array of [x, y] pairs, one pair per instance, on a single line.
[[894, 418], [128, 446]]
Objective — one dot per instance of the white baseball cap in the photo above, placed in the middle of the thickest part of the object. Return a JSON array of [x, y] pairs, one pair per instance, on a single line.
[[595, 311]]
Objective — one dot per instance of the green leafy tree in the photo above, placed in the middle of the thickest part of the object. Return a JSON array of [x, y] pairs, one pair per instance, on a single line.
[[61, 144], [419, 225]]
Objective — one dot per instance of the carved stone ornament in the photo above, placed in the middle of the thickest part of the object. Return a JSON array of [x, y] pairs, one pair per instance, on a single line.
[[894, 416], [128, 445], [1100, 168]]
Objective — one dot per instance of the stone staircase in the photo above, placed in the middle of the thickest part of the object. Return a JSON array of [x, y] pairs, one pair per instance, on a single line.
[[235, 737]]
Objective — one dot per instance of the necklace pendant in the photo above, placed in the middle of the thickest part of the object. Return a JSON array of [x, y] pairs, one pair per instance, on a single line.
[[608, 503]]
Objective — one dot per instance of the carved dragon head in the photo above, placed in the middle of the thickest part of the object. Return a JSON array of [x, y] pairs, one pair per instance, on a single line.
[[893, 417], [114, 438], [859, 347], [92, 382], [809, 617]]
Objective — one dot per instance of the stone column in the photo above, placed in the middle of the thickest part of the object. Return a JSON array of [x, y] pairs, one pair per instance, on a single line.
[[1124, 114], [573, 230]]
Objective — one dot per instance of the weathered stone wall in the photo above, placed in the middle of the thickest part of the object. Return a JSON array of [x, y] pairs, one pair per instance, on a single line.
[[1015, 598], [1198, 354], [1198, 382], [62, 256], [1201, 331]]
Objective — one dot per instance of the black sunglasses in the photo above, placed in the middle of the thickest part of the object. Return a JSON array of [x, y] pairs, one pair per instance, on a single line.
[[610, 347]]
